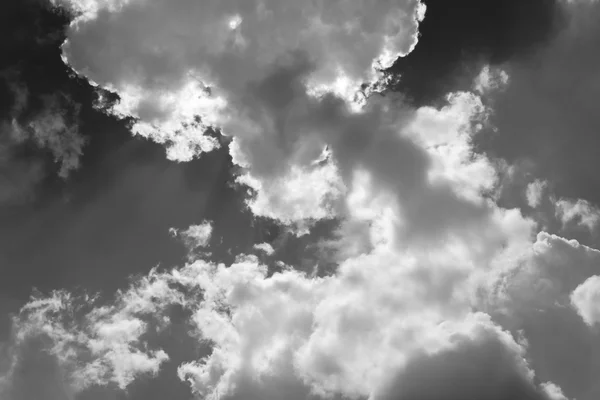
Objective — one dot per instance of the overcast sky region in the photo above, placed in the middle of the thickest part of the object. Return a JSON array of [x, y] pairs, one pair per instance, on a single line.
[[299, 199]]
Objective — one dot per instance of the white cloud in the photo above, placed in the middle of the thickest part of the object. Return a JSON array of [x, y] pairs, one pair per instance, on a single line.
[[304, 195], [534, 192], [547, 273], [400, 313], [265, 247], [382, 319], [171, 62], [92, 344], [579, 212], [281, 78], [195, 236], [490, 79], [586, 300]]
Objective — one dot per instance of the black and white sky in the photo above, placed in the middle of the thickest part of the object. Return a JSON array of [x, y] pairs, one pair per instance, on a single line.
[[299, 199]]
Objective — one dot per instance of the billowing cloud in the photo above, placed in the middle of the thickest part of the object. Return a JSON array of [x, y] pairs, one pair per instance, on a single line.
[[201, 57], [282, 79], [551, 269], [430, 265], [265, 248], [385, 326], [586, 300], [539, 297]]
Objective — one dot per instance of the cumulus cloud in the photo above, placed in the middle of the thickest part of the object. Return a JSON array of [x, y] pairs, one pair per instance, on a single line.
[[265, 248], [535, 296], [385, 326], [550, 270], [425, 250], [586, 300], [175, 76], [281, 78]]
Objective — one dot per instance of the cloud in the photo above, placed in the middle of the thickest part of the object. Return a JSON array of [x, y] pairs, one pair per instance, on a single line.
[[543, 117], [579, 212], [550, 270], [458, 38], [186, 68], [284, 96], [52, 128], [195, 236], [56, 128], [586, 300], [87, 343], [265, 247], [535, 298], [534, 193], [483, 364], [421, 235], [386, 325]]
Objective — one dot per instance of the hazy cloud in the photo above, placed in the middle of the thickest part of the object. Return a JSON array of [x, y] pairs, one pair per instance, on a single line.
[[579, 212], [195, 235], [534, 193]]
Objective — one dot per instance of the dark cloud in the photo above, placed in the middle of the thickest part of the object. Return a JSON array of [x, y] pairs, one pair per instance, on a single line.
[[458, 37], [546, 118], [482, 369]]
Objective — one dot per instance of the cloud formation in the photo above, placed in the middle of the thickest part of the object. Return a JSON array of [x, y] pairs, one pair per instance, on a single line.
[[188, 67], [434, 277], [194, 236], [544, 117], [354, 334], [280, 78], [586, 300]]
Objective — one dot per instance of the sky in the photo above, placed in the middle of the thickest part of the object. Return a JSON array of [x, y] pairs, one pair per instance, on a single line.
[[268, 199]]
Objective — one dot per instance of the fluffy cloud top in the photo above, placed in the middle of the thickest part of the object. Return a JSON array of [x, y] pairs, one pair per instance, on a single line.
[[586, 300], [380, 328], [284, 79], [174, 64]]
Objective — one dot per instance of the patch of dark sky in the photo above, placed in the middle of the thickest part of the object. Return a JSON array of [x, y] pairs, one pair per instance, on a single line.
[[457, 38]]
